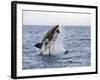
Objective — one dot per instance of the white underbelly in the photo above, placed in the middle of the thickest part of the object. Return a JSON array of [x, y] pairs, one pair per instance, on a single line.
[[50, 47]]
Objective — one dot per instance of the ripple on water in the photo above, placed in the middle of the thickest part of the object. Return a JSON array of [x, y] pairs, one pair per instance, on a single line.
[[76, 43]]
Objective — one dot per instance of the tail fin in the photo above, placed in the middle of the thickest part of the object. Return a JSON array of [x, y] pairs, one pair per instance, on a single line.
[[38, 45]]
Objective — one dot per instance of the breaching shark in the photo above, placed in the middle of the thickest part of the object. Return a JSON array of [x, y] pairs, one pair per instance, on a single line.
[[47, 44]]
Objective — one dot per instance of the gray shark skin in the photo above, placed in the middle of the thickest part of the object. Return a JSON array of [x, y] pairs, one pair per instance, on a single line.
[[46, 46]]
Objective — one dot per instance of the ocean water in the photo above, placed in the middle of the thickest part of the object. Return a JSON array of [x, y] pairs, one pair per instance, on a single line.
[[72, 48]]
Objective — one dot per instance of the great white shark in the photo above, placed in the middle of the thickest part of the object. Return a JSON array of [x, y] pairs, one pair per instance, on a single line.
[[47, 44]]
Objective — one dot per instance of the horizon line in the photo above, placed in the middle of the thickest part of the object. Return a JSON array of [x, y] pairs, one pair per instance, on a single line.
[[54, 25]]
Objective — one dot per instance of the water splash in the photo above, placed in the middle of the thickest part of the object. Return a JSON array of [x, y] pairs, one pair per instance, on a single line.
[[59, 45]]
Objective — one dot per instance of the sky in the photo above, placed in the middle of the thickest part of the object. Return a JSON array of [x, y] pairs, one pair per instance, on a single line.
[[53, 18]]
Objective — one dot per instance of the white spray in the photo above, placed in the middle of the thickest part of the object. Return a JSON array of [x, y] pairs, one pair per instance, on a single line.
[[59, 45]]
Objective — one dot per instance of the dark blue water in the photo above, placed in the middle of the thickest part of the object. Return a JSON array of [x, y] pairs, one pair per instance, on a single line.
[[76, 42]]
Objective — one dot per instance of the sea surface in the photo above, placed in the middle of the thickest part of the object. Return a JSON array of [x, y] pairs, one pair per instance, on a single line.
[[72, 48]]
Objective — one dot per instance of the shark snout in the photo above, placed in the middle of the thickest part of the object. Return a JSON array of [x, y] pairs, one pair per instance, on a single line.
[[56, 28]]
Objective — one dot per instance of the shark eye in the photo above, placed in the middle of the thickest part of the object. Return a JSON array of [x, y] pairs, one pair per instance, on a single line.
[[58, 31]]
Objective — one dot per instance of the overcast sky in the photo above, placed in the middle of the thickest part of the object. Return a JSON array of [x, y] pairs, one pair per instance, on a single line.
[[52, 18]]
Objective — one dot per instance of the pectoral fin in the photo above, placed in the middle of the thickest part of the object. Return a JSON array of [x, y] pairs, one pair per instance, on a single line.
[[38, 45]]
